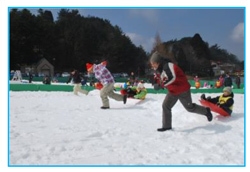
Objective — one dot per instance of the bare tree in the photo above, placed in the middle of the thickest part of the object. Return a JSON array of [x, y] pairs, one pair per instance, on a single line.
[[165, 50]]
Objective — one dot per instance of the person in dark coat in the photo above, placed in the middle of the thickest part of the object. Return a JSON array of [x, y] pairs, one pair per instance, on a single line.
[[237, 81], [30, 77], [75, 76], [46, 80], [132, 79], [224, 101], [228, 81], [168, 75]]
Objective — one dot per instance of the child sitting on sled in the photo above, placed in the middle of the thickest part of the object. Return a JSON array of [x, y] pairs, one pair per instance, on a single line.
[[224, 101], [137, 92]]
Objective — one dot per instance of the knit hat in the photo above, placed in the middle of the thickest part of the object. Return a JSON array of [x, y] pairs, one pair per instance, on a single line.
[[156, 57], [228, 89], [89, 66]]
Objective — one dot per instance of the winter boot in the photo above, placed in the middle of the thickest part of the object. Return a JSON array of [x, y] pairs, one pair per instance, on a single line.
[[209, 114], [164, 129], [103, 107]]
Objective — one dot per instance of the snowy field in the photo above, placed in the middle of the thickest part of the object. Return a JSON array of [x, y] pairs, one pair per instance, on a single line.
[[61, 129]]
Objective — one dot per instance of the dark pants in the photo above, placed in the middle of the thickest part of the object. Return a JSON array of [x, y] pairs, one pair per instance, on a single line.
[[186, 100], [227, 109]]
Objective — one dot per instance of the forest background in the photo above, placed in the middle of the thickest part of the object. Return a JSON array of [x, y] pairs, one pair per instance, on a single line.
[[72, 40]]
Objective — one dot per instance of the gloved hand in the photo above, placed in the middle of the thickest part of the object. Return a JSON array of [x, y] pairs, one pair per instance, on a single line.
[[209, 98], [203, 97], [157, 87]]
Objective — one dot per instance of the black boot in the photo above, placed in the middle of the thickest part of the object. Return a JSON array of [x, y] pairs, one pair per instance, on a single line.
[[164, 129], [209, 114], [103, 107]]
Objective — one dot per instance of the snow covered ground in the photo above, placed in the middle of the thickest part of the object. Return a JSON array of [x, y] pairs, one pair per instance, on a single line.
[[59, 128]]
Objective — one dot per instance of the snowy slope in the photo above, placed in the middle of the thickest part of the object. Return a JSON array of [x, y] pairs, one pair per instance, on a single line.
[[59, 128]]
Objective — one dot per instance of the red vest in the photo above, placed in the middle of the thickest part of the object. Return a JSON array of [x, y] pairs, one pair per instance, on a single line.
[[180, 83]]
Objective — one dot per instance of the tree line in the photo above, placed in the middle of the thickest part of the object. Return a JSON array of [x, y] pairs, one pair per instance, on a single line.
[[72, 40], [195, 56]]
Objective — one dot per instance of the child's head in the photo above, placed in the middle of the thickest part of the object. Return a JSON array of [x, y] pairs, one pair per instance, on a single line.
[[227, 91], [140, 86], [155, 60]]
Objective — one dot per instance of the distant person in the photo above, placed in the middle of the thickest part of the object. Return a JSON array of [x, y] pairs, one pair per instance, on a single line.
[[168, 75], [224, 101], [103, 75], [196, 79], [76, 78], [218, 84], [197, 83], [237, 81], [221, 80], [132, 79], [228, 81], [205, 85], [46, 80], [30, 77]]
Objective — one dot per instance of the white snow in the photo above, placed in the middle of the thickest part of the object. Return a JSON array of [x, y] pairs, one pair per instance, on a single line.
[[61, 129]]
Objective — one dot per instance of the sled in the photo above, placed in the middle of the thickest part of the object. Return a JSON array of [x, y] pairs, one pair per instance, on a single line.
[[214, 108]]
